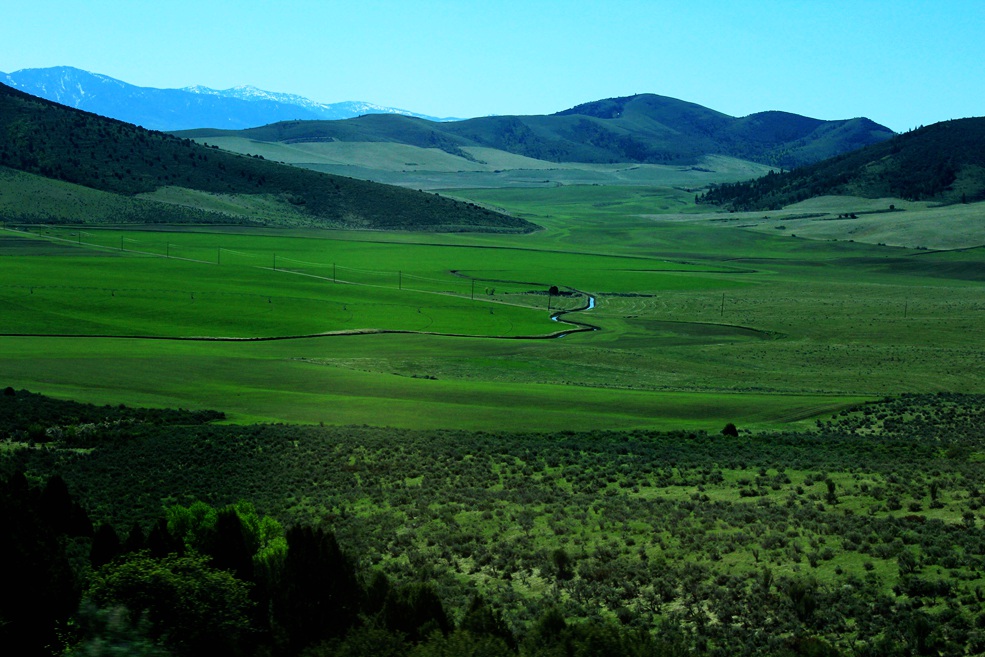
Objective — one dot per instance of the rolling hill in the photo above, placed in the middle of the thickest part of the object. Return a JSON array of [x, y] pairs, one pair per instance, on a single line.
[[43, 139], [943, 162], [640, 129], [179, 109]]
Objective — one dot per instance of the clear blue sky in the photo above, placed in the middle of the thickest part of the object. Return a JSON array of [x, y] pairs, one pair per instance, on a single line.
[[902, 63]]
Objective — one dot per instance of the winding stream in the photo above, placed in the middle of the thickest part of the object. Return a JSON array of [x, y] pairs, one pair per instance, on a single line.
[[591, 304], [556, 317]]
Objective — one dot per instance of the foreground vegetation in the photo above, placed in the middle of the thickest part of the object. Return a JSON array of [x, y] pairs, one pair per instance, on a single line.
[[861, 536]]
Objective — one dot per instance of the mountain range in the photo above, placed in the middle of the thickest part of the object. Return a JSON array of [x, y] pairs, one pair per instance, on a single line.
[[180, 109], [645, 128], [857, 156], [61, 165]]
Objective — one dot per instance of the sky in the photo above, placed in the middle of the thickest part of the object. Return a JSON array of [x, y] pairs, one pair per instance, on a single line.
[[901, 63]]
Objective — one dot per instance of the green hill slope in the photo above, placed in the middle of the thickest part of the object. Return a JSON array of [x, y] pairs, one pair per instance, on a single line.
[[59, 143], [642, 129], [944, 162]]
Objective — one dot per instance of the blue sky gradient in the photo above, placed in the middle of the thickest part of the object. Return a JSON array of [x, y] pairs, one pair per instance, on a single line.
[[902, 63]]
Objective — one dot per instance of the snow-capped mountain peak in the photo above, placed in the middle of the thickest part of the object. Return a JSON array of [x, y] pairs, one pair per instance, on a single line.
[[345, 109], [196, 106]]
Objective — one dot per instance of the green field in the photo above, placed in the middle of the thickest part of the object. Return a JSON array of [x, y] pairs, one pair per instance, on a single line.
[[915, 224], [576, 467], [433, 168], [703, 318]]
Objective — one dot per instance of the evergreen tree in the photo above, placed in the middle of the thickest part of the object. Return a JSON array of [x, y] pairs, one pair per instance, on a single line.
[[316, 593], [230, 549], [106, 546], [135, 540], [416, 611], [40, 589]]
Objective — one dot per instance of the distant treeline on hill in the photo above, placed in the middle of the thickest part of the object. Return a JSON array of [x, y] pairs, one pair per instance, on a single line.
[[943, 162], [29, 416], [50, 140]]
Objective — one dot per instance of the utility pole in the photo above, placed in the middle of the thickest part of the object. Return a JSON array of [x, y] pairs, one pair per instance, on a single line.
[[722, 313]]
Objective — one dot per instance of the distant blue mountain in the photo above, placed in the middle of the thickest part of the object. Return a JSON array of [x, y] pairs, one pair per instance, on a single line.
[[181, 109]]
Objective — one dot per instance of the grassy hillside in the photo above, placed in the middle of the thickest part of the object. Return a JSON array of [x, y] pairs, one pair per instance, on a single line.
[[434, 169], [944, 162], [645, 129], [45, 139], [914, 224], [33, 199]]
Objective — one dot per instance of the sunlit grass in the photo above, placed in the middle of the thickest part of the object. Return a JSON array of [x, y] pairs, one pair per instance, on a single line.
[[751, 326]]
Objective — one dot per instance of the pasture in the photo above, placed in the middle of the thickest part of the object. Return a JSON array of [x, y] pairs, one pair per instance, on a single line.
[[702, 319], [435, 169]]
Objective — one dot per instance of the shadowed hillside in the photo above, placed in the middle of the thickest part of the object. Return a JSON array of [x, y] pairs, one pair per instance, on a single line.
[[943, 162], [645, 128], [43, 138]]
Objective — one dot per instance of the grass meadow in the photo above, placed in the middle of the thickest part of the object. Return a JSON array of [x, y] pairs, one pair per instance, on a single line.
[[435, 169], [703, 318]]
